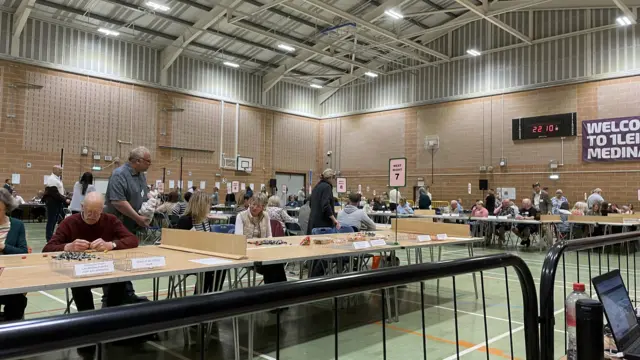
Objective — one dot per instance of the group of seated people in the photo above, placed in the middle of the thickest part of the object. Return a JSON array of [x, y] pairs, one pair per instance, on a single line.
[[559, 205]]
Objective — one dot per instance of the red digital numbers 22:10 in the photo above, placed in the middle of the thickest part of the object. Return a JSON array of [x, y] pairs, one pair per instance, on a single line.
[[543, 128]]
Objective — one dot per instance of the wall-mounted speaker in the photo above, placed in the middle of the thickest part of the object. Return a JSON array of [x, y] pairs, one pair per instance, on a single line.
[[272, 183], [483, 184]]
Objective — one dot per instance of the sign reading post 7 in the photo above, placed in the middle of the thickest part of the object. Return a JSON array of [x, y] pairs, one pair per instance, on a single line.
[[398, 172]]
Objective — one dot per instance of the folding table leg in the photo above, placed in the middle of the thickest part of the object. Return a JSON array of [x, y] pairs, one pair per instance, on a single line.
[[439, 257], [250, 333], [69, 301], [475, 284], [236, 337], [388, 305]]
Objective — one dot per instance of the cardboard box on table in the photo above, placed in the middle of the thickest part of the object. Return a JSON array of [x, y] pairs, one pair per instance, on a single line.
[[428, 227], [208, 243]]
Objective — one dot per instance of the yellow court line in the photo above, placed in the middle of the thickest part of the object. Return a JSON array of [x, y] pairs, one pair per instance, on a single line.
[[461, 343]]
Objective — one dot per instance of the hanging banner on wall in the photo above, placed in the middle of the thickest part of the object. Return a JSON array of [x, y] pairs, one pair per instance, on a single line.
[[611, 140]]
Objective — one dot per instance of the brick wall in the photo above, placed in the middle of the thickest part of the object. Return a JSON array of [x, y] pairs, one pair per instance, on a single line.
[[56, 117], [478, 132], [472, 133]]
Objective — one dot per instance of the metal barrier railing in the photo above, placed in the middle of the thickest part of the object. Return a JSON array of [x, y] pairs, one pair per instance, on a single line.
[[106, 325], [600, 250]]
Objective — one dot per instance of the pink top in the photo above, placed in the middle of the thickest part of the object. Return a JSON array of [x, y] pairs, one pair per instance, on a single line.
[[480, 212]]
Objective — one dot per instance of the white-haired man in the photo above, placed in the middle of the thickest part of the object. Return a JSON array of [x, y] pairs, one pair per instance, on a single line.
[[595, 197], [91, 229], [527, 212], [455, 207]]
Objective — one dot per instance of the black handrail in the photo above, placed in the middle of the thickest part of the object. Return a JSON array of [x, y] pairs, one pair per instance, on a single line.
[[548, 277], [80, 329]]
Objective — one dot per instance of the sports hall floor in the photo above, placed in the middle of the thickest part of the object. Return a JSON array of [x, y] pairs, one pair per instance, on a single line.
[[307, 330]]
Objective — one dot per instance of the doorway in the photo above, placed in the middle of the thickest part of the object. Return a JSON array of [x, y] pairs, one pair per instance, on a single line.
[[293, 182]]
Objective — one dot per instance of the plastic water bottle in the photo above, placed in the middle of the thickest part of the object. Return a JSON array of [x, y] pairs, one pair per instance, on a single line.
[[570, 309]]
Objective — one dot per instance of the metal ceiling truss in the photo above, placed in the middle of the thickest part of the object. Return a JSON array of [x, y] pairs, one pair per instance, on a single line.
[[476, 13], [483, 11], [375, 28], [279, 36], [169, 54], [376, 42], [19, 21], [152, 32], [272, 78]]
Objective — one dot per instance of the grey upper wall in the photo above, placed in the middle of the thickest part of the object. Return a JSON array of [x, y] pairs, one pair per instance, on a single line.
[[601, 54], [88, 53]]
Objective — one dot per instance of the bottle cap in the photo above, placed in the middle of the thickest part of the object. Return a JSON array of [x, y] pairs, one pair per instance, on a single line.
[[578, 287]]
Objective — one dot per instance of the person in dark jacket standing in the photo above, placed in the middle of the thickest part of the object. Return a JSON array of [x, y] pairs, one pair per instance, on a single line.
[[321, 202], [490, 202], [54, 198], [424, 202]]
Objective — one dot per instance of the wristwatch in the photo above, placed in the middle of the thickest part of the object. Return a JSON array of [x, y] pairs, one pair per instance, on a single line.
[[113, 243]]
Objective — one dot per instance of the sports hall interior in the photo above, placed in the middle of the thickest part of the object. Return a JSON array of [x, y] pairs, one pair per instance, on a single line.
[[301, 86]]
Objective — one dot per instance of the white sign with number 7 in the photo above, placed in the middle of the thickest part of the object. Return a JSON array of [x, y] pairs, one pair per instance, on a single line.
[[398, 172]]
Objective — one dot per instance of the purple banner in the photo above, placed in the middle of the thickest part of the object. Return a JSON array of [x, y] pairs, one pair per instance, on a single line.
[[611, 139]]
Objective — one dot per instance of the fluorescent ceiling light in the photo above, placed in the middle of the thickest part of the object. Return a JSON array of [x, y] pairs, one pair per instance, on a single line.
[[554, 176], [623, 21], [473, 52], [230, 64], [157, 7], [371, 74], [394, 14], [316, 86], [108, 32], [286, 47]]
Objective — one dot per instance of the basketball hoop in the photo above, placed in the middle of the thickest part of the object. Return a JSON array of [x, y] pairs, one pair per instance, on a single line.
[[244, 164]]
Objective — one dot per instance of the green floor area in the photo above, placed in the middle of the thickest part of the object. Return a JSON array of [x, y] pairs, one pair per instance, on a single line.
[[307, 330]]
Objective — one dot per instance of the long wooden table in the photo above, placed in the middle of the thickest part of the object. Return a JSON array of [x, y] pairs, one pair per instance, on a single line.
[[33, 272]]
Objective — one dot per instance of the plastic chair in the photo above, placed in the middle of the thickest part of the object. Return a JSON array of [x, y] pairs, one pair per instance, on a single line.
[[223, 228], [173, 220], [276, 228], [345, 229], [151, 234], [292, 229], [232, 220], [323, 231]]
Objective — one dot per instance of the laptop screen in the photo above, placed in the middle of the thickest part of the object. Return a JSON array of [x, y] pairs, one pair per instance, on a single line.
[[616, 303]]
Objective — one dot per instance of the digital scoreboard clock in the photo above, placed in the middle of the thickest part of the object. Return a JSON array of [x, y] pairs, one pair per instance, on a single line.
[[561, 125]]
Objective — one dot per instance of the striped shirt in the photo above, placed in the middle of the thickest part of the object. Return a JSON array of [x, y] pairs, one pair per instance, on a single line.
[[179, 209], [4, 231], [203, 226]]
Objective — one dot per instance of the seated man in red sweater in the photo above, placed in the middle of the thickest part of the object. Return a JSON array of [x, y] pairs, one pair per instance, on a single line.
[[91, 229]]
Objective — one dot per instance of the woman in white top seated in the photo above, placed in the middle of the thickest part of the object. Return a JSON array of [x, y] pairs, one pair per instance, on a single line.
[[254, 223], [80, 190]]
